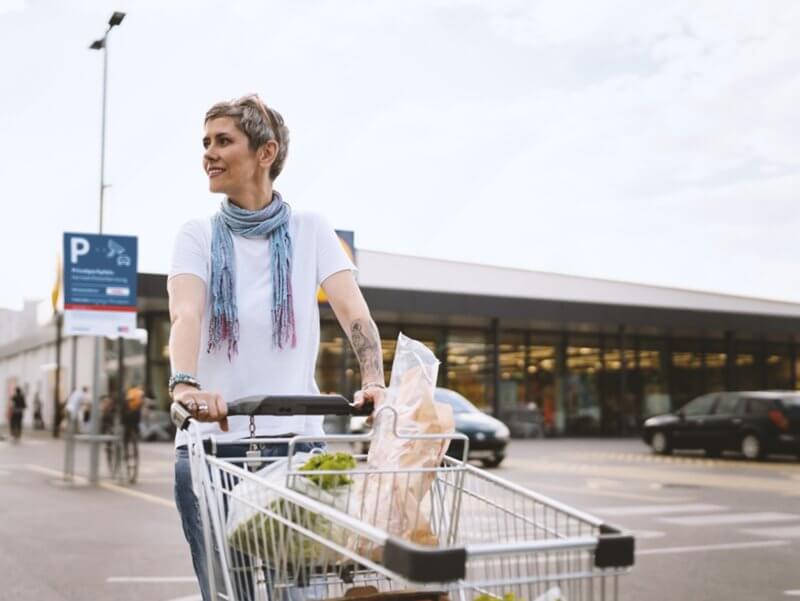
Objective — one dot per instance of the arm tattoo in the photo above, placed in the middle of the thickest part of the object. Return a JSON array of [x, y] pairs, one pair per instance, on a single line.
[[366, 343]]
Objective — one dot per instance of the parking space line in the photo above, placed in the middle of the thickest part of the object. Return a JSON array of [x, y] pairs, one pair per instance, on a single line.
[[721, 547], [149, 579], [628, 472], [106, 485], [657, 509], [779, 531], [594, 492], [731, 518]]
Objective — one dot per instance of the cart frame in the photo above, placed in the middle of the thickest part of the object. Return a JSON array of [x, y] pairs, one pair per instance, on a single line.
[[492, 535]]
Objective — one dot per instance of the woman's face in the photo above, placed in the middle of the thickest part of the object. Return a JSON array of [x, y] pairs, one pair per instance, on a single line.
[[228, 160]]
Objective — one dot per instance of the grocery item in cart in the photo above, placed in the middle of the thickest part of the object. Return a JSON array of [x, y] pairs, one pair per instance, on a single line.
[[395, 503], [252, 529]]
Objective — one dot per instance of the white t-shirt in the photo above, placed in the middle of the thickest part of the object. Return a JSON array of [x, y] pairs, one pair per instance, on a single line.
[[74, 402], [258, 368]]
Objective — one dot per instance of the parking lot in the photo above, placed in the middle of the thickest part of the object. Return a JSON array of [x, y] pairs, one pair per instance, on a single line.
[[697, 521]]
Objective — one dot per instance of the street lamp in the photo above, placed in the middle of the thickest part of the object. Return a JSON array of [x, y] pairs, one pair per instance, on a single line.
[[94, 456], [102, 44]]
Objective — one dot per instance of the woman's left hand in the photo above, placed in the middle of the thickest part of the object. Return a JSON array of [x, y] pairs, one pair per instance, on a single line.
[[372, 394]]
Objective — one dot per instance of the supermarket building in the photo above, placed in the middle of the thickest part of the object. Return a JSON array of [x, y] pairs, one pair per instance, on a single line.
[[594, 356]]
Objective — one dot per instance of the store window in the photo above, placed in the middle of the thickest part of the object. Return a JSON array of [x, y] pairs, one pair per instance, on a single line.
[[582, 387], [512, 372], [620, 403], [330, 360], [749, 363], [779, 367], [715, 361], [470, 365], [652, 377], [687, 371], [158, 358], [796, 368], [542, 380]]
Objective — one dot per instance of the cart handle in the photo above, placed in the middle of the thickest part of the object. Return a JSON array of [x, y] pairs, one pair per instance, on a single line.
[[302, 404]]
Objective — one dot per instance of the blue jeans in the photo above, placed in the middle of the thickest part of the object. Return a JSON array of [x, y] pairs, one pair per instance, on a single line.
[[189, 506]]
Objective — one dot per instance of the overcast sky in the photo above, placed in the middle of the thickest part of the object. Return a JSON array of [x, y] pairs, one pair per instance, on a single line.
[[654, 142]]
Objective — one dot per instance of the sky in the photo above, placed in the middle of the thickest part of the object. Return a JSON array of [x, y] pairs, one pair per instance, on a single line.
[[639, 141]]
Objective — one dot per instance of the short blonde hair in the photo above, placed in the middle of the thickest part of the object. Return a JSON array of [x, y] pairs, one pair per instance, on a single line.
[[258, 122]]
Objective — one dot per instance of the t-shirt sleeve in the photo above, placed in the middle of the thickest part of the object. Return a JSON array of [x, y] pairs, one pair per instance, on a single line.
[[331, 255], [190, 253]]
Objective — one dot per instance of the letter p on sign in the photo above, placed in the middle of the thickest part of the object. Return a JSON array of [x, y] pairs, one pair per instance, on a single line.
[[77, 248]]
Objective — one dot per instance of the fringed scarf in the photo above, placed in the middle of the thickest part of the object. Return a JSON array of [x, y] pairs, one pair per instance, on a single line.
[[271, 222]]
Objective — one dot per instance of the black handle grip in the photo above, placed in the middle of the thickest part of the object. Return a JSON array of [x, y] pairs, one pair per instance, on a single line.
[[302, 404], [321, 404]]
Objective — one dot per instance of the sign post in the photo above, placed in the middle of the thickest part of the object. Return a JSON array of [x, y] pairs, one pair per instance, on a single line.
[[99, 300]]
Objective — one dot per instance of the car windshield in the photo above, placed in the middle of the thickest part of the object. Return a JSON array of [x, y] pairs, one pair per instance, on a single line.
[[455, 400]]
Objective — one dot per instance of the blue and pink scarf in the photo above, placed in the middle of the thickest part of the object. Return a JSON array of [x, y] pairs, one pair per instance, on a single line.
[[271, 222]]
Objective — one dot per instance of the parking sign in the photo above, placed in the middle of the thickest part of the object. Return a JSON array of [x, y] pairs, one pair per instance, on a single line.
[[99, 285]]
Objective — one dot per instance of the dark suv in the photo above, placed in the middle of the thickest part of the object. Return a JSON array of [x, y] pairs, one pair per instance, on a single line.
[[753, 423]]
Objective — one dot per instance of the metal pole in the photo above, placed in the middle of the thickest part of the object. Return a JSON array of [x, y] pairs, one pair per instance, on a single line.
[[57, 388], [94, 454], [103, 133]]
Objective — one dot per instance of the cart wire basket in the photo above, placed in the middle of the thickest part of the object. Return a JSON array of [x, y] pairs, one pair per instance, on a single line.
[[275, 530]]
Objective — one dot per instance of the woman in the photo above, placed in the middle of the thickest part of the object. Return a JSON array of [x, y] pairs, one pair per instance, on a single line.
[[243, 298], [18, 406]]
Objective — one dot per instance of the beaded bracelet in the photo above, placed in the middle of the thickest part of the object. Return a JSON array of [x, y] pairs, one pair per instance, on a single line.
[[373, 385], [182, 378]]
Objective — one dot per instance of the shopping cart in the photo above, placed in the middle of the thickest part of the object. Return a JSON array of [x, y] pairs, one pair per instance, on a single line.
[[477, 536]]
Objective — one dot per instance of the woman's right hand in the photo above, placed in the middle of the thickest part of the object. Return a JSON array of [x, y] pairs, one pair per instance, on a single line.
[[203, 405]]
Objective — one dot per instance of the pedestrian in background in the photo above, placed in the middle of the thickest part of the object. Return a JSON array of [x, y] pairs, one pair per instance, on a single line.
[[38, 421], [75, 403], [18, 406]]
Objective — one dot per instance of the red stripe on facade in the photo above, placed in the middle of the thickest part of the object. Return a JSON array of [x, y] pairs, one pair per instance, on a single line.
[[99, 308]]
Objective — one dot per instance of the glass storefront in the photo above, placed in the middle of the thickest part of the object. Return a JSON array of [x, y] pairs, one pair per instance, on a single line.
[[582, 384]]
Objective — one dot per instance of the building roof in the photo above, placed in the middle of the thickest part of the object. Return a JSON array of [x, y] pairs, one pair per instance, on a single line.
[[403, 272]]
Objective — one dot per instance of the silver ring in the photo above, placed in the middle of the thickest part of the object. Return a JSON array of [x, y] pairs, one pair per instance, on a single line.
[[202, 408], [191, 405]]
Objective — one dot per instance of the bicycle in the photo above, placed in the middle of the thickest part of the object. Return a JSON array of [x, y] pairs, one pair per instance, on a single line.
[[124, 450]]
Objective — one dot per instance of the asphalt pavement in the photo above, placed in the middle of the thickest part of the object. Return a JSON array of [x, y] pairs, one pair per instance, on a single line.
[[706, 529]]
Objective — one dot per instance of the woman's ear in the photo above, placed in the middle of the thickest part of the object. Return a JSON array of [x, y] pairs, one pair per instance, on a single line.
[[267, 154]]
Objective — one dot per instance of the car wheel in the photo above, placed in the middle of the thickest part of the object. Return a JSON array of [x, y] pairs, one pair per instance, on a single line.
[[493, 462], [752, 448], [660, 443]]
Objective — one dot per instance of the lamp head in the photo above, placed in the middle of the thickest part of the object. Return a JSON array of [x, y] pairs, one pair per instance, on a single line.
[[116, 19]]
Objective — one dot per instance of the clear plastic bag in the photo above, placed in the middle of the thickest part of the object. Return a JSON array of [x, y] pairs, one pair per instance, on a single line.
[[396, 502]]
